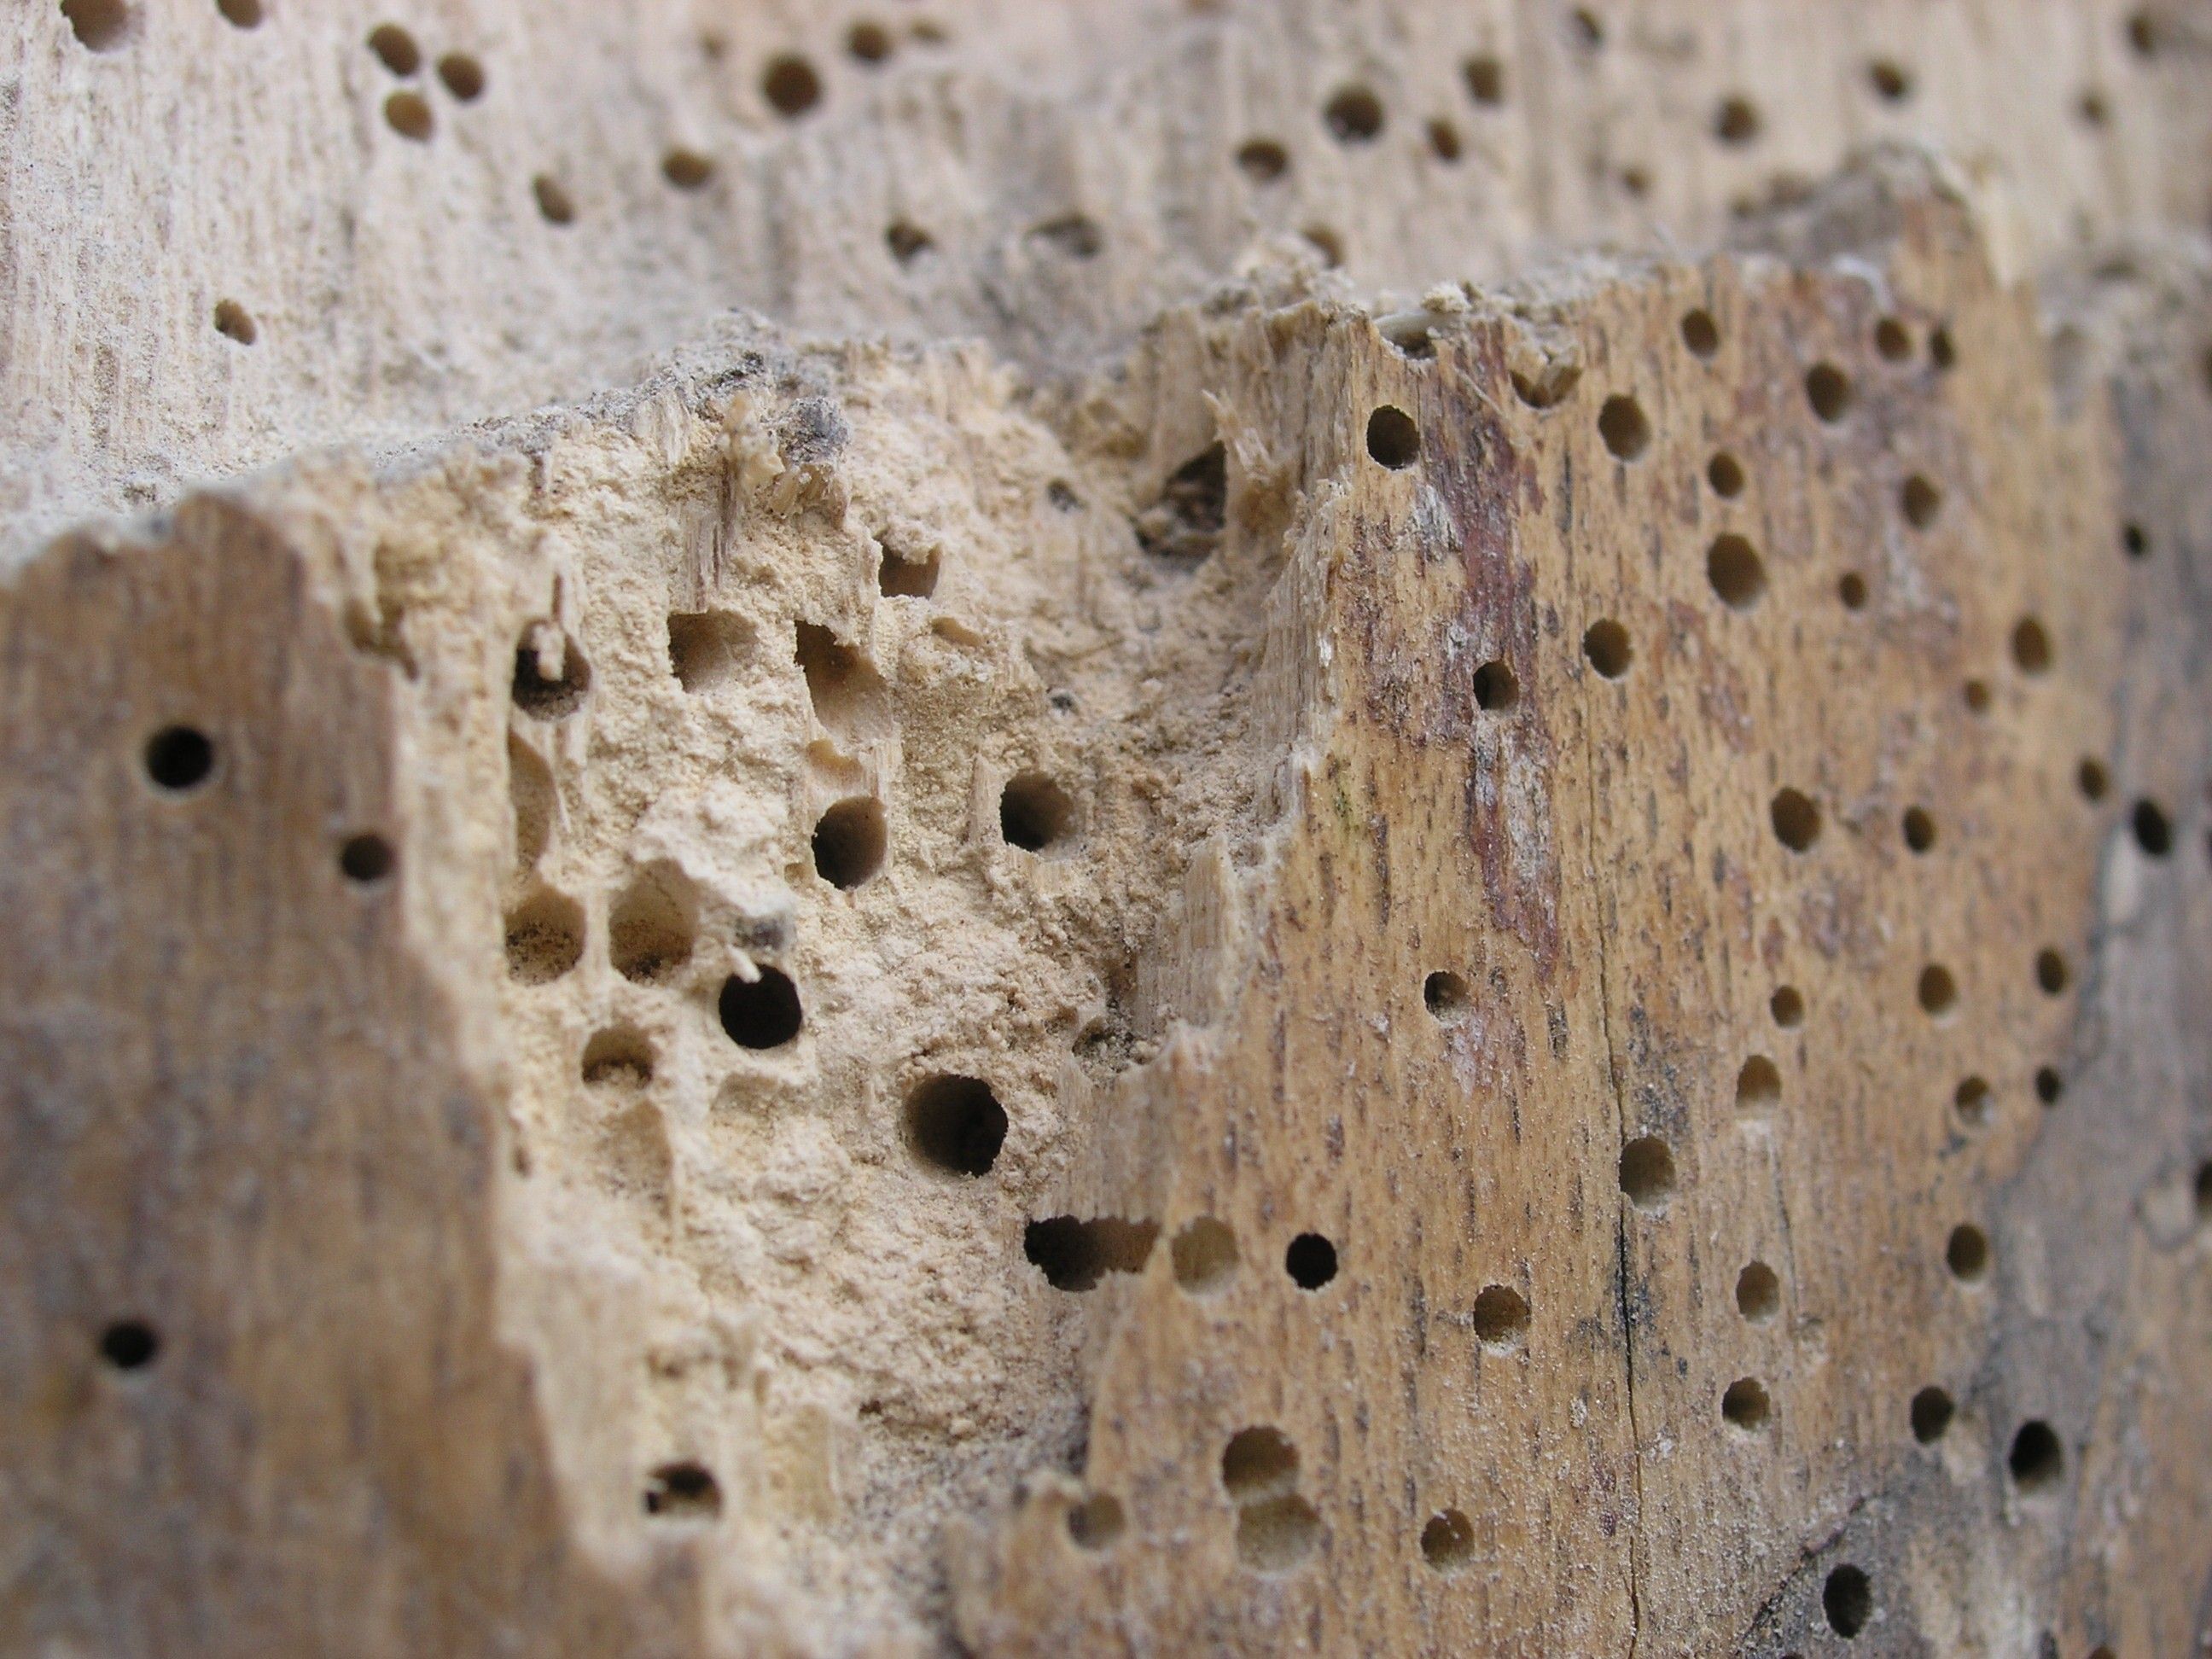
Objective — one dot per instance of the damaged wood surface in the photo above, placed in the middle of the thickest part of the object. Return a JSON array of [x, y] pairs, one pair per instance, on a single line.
[[1560, 1018]]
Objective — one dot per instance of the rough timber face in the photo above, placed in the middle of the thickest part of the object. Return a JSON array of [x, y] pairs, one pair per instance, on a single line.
[[409, 258], [1517, 971]]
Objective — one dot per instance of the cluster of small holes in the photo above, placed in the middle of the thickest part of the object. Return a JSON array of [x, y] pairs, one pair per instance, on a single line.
[[955, 1124], [1277, 1529], [1737, 575]]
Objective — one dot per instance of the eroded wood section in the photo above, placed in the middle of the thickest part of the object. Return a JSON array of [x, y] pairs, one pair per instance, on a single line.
[[1736, 713], [253, 1400], [1522, 975]]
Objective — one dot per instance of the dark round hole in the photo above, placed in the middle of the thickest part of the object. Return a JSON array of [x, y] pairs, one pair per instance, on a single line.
[[366, 859], [2203, 1190], [1736, 121], [98, 24], [1310, 1261], [1097, 1522], [1700, 334], [1892, 340], [409, 115], [1725, 473], [955, 1124], [907, 242], [1919, 829], [2050, 972], [2048, 1086], [1746, 1406], [1847, 1599], [1647, 1173], [178, 758], [1938, 990], [1966, 1253], [2134, 542], [1932, 1412], [1891, 81], [1736, 572], [395, 48], [1258, 1463], [2031, 647], [1972, 1098], [1622, 424], [1796, 819], [682, 1491], [849, 841], [1444, 994], [1829, 391], [1758, 1293], [1759, 1084], [2153, 829], [1500, 1317], [129, 1345], [1485, 80], [1392, 439], [791, 86], [1263, 160], [870, 43], [686, 169], [1976, 695], [1495, 687], [553, 202], [1448, 1541], [1851, 589], [1605, 644], [1942, 350], [1443, 141], [1035, 813], [234, 322], [1787, 1007], [1922, 500], [1355, 115], [761, 1013], [2036, 1460], [240, 14], [463, 75], [2093, 780]]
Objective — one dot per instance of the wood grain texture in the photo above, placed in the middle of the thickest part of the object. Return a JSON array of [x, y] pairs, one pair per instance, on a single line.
[[1148, 949]]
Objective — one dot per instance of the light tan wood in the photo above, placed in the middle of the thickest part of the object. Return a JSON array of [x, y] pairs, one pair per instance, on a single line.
[[1277, 960]]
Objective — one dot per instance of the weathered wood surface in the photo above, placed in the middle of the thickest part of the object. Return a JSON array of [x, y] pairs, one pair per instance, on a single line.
[[505, 1303], [1275, 960], [1045, 177]]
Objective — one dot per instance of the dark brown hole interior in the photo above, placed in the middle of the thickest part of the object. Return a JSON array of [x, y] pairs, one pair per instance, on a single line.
[[1310, 1261], [1392, 439], [761, 1013], [1932, 1411], [849, 842], [955, 1124]]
